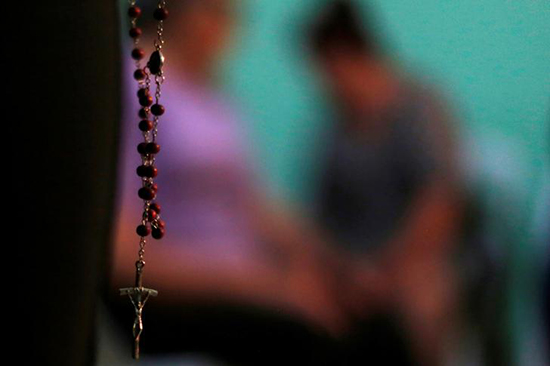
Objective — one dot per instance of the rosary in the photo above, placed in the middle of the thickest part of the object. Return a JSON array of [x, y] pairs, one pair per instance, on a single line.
[[149, 114]]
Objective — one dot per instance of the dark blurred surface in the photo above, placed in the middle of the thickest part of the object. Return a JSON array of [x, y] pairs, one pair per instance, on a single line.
[[70, 87]]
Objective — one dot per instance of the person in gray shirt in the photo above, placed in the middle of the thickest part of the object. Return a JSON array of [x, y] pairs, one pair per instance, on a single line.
[[390, 192]]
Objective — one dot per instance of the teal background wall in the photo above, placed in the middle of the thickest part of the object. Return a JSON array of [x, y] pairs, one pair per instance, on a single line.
[[491, 59]]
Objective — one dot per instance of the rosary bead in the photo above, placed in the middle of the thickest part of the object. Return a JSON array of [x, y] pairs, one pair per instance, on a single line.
[[155, 207], [151, 215], [157, 109], [160, 14], [135, 32], [134, 12], [143, 230], [146, 193], [146, 101], [140, 170], [138, 53], [155, 187], [158, 233], [161, 224], [141, 148], [152, 148], [143, 93], [145, 125], [139, 74], [143, 113], [148, 171]]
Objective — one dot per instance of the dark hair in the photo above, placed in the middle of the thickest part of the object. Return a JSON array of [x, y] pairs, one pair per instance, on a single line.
[[339, 25]]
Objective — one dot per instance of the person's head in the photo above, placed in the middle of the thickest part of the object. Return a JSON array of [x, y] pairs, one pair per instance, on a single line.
[[348, 54], [205, 27], [196, 33]]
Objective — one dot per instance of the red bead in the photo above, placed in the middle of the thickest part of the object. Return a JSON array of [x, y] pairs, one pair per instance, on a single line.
[[154, 187], [145, 125], [152, 148], [151, 215], [138, 53], [143, 113], [158, 233], [161, 224], [135, 32], [143, 230], [146, 101], [140, 170], [143, 93], [148, 171], [155, 207], [146, 193], [141, 148], [160, 14], [157, 109], [134, 12], [139, 74]]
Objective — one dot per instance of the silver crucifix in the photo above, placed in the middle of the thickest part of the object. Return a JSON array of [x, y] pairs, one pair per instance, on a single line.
[[138, 296]]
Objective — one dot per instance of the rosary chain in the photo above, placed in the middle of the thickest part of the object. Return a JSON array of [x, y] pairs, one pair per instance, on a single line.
[[150, 218], [143, 76]]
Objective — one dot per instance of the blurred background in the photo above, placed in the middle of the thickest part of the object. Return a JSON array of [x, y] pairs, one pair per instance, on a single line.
[[278, 78]]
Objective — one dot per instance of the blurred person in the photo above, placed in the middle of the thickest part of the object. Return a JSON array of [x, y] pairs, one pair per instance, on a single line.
[[389, 196], [225, 243]]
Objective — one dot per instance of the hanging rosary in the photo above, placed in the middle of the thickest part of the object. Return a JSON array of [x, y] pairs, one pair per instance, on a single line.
[[151, 223]]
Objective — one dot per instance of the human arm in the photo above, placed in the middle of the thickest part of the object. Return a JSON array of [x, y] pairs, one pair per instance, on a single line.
[[308, 263]]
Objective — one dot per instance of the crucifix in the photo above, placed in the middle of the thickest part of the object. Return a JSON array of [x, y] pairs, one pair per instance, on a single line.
[[138, 296]]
